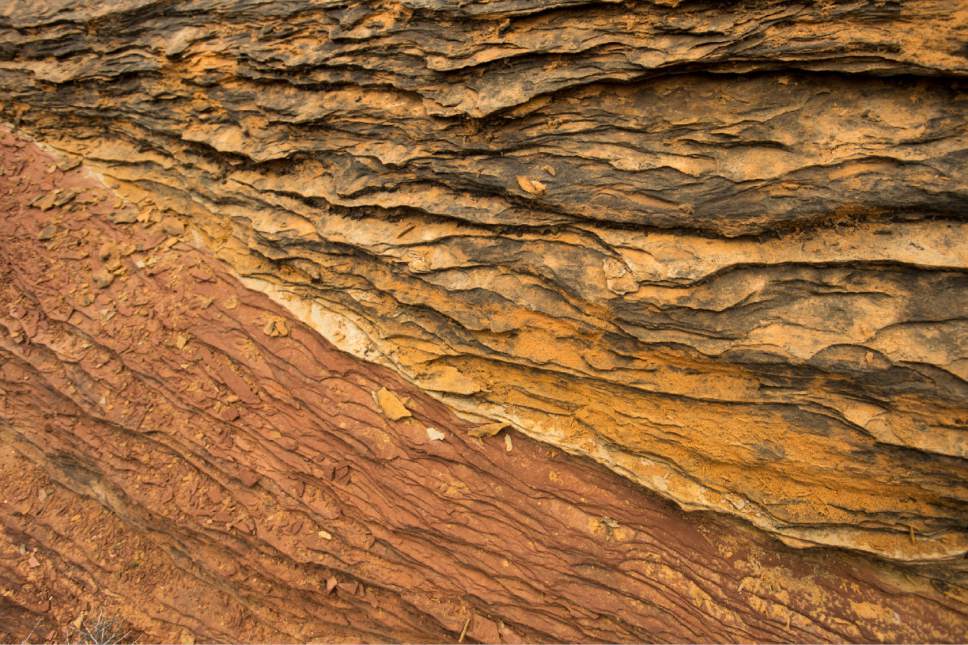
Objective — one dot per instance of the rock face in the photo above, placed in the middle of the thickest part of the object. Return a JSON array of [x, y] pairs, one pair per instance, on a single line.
[[721, 251], [182, 456]]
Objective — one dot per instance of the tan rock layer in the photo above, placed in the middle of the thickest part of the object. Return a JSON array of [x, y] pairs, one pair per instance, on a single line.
[[181, 454], [722, 252]]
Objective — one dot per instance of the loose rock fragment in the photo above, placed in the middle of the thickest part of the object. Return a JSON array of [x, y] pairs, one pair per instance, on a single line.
[[48, 200], [64, 197], [392, 406], [618, 277], [69, 164], [106, 250], [102, 278], [127, 216], [530, 185], [487, 429], [47, 232], [113, 264], [276, 327]]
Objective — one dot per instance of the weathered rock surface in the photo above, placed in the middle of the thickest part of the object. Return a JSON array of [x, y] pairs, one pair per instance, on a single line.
[[171, 460], [720, 250]]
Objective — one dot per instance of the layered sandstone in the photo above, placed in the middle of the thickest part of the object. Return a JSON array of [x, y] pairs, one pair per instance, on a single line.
[[180, 454], [721, 252]]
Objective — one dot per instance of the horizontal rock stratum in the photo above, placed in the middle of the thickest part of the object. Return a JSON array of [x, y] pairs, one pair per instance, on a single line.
[[720, 250]]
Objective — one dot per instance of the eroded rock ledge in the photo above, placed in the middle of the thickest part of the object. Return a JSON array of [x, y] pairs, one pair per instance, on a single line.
[[722, 252], [178, 452]]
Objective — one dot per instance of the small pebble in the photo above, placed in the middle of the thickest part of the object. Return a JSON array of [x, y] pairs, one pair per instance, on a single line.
[[103, 279]]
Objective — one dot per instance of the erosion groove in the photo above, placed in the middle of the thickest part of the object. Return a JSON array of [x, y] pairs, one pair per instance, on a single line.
[[721, 250]]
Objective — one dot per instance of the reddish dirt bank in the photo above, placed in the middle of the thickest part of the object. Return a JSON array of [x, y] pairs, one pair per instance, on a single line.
[[179, 453]]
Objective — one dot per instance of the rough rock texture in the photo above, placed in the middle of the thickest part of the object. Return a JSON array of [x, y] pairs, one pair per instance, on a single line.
[[720, 249], [180, 453]]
